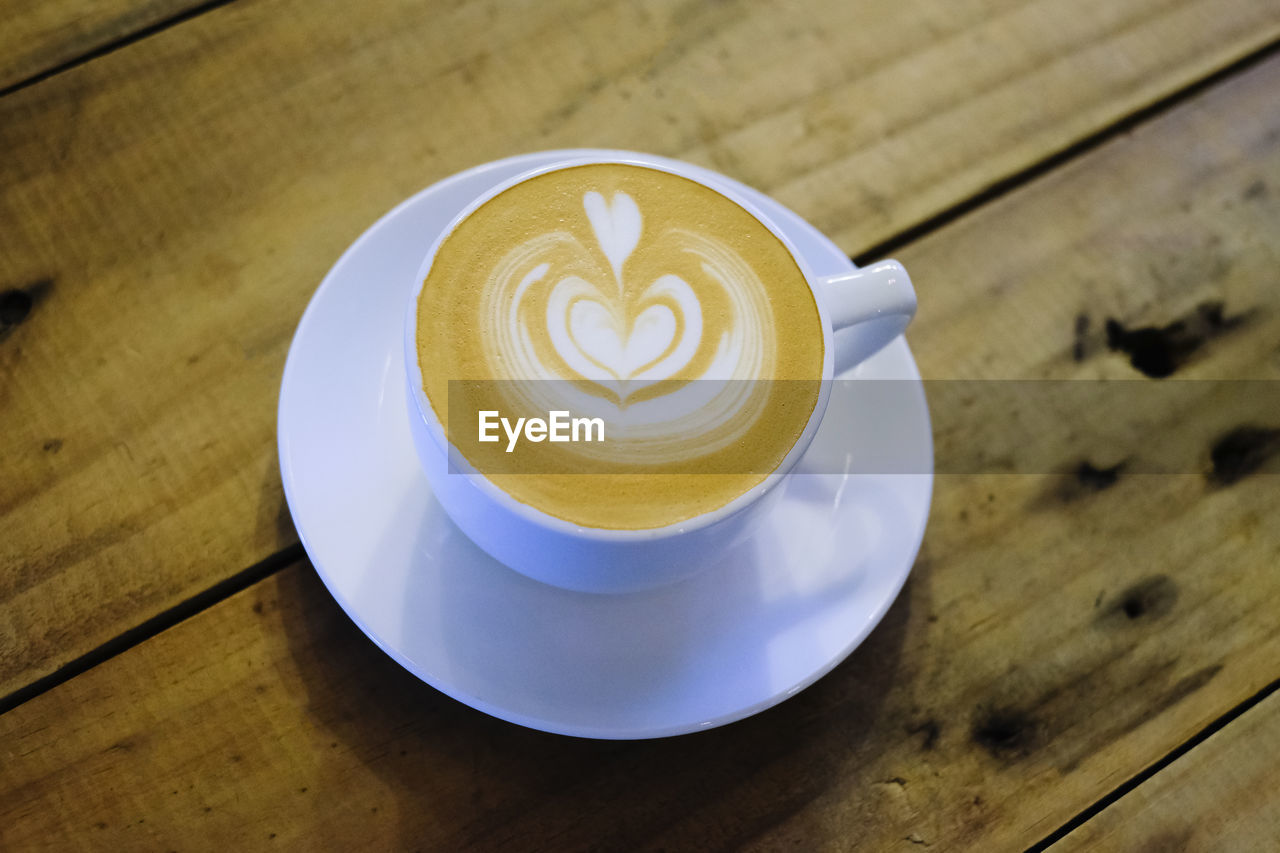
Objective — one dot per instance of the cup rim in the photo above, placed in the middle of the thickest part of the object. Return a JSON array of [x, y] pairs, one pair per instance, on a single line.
[[426, 413]]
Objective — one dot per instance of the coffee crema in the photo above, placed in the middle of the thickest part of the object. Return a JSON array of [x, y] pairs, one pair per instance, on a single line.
[[633, 295]]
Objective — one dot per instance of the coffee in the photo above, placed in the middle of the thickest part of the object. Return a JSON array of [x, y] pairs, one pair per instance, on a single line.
[[631, 295]]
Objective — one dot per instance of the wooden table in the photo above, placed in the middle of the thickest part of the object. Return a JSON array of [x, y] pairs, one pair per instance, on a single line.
[[1085, 659]]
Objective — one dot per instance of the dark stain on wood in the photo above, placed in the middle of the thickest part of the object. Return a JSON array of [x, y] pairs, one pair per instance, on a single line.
[[1080, 348], [1158, 351], [1078, 482], [1241, 452], [1167, 841], [1147, 681], [17, 303], [1256, 191], [1147, 600], [930, 729], [1183, 688], [1096, 479], [1007, 733], [53, 445]]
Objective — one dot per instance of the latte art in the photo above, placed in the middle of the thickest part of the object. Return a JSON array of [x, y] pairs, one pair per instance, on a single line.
[[556, 308], [631, 295]]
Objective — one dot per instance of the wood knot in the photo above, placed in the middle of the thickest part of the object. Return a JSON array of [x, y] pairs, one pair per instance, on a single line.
[[1158, 351], [1241, 452], [1005, 733], [1149, 598], [1097, 479], [15, 305]]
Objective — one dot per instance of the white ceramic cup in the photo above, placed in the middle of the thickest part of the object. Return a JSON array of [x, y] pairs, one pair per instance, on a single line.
[[878, 298]]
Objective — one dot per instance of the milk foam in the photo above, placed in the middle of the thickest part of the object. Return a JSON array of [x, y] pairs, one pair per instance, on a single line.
[[613, 335]]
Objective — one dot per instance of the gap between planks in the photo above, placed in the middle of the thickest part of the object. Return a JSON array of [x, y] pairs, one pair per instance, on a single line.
[[162, 621], [113, 46], [1075, 150], [1129, 785]]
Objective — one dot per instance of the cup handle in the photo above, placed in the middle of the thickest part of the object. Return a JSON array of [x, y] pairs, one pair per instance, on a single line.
[[878, 299]]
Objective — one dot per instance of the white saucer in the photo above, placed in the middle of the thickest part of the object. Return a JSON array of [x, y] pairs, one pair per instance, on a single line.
[[769, 619]]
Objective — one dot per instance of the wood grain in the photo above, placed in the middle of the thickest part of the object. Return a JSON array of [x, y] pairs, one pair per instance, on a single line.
[[1057, 636], [169, 208], [37, 37], [1219, 796]]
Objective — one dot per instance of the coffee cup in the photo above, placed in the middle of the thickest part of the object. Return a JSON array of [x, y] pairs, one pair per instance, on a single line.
[[626, 280]]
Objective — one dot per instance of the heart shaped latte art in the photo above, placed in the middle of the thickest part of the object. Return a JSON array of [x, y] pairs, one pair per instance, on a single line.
[[597, 339], [594, 332], [559, 308]]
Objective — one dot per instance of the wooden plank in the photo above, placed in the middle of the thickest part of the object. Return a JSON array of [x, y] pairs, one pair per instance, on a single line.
[[172, 205], [37, 37], [1057, 636], [1219, 796]]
